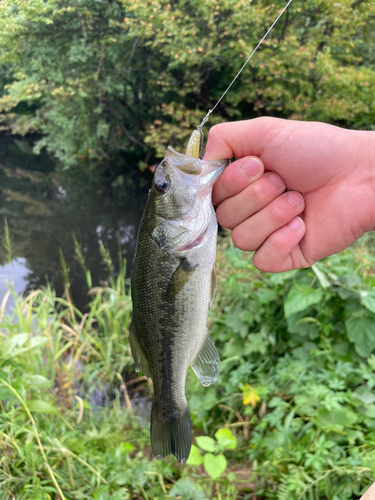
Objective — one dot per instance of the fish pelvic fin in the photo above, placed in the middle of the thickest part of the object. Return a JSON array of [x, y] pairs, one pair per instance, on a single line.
[[207, 361], [172, 435], [140, 359]]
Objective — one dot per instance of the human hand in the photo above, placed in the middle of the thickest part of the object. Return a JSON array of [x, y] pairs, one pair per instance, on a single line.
[[332, 168]]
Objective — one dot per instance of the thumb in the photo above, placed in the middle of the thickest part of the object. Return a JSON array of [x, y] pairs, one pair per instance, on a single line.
[[242, 138]]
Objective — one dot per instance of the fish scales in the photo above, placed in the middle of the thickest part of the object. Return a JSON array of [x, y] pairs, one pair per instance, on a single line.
[[172, 287]]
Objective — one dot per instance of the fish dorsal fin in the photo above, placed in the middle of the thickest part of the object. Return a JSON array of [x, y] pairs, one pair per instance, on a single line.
[[140, 360], [213, 284], [180, 277], [206, 362]]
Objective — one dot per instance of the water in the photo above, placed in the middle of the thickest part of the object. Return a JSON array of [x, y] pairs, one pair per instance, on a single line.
[[44, 208], [14, 273]]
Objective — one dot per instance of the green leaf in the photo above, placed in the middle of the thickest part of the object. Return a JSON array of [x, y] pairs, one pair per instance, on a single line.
[[233, 347], [12, 344], [206, 443], [303, 352], [369, 411], [304, 406], [303, 326], [255, 343], [186, 489], [102, 493], [364, 394], [368, 300], [37, 341], [341, 347], [120, 494], [371, 362], [6, 394], [336, 418], [40, 406], [125, 448], [36, 381], [195, 457], [301, 297], [321, 275], [226, 439], [214, 466], [234, 322], [361, 331], [266, 295]]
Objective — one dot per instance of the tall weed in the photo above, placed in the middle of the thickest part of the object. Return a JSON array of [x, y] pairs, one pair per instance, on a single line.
[[291, 416]]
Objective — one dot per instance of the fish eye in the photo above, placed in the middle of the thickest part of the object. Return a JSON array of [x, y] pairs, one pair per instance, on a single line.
[[162, 185]]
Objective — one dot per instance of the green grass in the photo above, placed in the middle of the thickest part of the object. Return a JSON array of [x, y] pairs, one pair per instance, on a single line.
[[294, 399]]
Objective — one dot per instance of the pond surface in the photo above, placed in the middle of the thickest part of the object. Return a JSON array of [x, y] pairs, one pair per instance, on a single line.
[[45, 206]]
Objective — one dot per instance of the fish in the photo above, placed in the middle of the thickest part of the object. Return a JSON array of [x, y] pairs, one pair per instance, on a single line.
[[173, 283]]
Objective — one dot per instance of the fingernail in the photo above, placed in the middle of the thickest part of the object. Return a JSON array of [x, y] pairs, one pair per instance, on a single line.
[[276, 179], [295, 224], [295, 199], [252, 167]]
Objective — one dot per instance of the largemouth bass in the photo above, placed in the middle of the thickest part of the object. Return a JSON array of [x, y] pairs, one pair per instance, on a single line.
[[173, 284]]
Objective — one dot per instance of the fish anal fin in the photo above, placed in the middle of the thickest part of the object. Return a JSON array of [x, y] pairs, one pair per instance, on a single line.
[[180, 277], [140, 359], [213, 284], [207, 361]]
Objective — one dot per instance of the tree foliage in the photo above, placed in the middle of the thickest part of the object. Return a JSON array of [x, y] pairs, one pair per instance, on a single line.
[[120, 80]]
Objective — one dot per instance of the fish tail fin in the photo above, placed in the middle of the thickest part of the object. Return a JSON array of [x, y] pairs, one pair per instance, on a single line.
[[171, 436]]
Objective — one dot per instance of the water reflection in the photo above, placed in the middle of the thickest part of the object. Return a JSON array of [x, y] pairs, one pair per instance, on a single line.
[[44, 207], [16, 273]]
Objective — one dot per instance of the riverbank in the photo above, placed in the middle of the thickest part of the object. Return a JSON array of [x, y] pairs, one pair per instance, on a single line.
[[291, 415], [45, 206]]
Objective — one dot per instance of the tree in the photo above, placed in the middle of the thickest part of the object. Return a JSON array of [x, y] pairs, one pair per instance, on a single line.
[[117, 81]]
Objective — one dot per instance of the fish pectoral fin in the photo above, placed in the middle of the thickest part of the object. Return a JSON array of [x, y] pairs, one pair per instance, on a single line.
[[213, 284], [206, 363], [180, 277], [140, 360]]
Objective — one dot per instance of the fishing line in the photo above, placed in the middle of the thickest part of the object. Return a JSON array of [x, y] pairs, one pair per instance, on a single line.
[[243, 66]]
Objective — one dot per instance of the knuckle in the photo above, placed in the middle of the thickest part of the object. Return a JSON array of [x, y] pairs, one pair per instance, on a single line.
[[269, 120], [216, 131], [266, 262], [231, 177], [257, 193], [278, 244], [223, 216], [241, 241], [276, 213], [262, 263]]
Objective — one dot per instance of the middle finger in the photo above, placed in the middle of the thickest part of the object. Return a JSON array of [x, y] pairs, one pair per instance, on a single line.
[[251, 234], [232, 211]]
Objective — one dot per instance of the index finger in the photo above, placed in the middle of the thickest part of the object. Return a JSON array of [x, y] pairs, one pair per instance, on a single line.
[[236, 177]]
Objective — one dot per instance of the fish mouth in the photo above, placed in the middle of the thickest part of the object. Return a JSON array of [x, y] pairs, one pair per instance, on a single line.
[[207, 171], [194, 243]]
